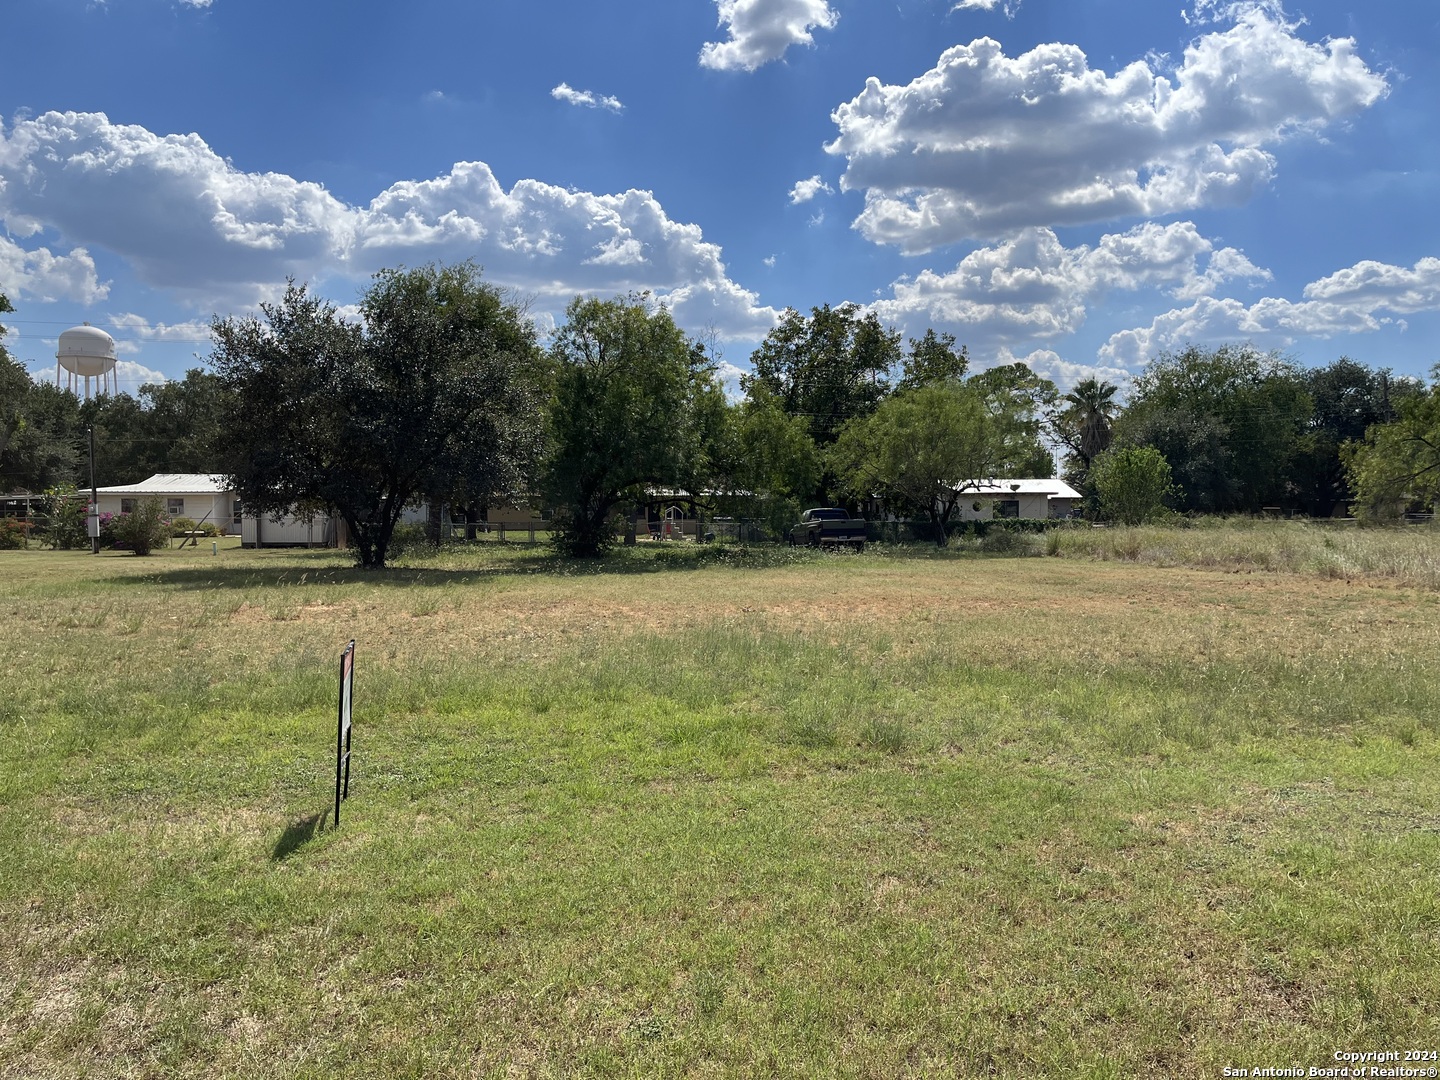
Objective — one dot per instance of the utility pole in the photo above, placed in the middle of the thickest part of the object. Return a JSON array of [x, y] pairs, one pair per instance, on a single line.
[[92, 519]]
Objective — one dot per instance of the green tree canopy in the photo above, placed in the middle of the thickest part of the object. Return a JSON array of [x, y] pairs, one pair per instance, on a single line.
[[168, 427], [933, 359], [1397, 465], [124, 449], [434, 394], [772, 458], [43, 446], [460, 358], [182, 423], [923, 449], [1230, 421], [1020, 401], [1132, 483], [14, 388], [42, 429], [827, 368], [636, 406], [1349, 398], [1084, 420]]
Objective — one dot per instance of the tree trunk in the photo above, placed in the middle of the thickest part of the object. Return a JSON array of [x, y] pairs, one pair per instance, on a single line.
[[586, 532], [365, 548]]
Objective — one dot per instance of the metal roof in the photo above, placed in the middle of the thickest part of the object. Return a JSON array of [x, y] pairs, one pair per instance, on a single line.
[[1054, 488], [171, 484]]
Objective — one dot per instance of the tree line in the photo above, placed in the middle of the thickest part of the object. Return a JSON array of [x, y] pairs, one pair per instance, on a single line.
[[442, 391]]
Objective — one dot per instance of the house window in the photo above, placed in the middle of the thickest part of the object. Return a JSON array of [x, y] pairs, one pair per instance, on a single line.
[[127, 506], [175, 507], [237, 515], [1007, 508]]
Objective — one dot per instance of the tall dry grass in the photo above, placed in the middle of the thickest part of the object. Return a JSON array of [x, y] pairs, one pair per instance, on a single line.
[[1403, 555]]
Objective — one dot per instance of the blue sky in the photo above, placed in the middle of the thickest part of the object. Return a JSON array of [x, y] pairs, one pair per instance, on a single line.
[[1078, 184]]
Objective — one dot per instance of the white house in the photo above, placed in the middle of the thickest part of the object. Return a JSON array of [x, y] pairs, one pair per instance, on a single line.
[[1035, 499], [197, 496], [207, 500]]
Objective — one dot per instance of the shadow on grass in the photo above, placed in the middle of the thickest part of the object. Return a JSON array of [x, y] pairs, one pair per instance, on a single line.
[[297, 834], [319, 567]]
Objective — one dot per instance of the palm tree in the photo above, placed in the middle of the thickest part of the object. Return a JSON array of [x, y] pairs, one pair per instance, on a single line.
[[1092, 407]]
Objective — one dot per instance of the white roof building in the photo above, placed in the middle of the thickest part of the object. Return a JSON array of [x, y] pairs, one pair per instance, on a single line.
[[1024, 498], [206, 499], [171, 483], [198, 496]]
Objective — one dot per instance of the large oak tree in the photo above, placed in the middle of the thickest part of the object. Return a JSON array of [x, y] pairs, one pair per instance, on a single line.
[[432, 395], [636, 407], [1230, 421]]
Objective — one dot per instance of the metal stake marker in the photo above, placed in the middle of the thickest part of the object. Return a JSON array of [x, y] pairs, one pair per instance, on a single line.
[[342, 738]]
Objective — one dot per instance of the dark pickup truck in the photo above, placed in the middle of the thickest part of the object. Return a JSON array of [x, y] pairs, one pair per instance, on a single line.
[[828, 527]]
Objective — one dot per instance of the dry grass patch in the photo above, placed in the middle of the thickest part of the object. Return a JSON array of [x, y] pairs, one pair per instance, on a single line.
[[1404, 555], [876, 816]]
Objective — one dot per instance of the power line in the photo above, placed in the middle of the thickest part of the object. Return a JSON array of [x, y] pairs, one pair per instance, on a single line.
[[108, 322]]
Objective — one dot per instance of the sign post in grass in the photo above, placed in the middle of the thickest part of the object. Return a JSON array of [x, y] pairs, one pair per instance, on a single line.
[[342, 738]]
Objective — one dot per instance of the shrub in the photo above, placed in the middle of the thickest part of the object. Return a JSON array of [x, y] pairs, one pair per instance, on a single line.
[[64, 509], [1008, 542], [1132, 483], [986, 526], [144, 528], [13, 533], [181, 525]]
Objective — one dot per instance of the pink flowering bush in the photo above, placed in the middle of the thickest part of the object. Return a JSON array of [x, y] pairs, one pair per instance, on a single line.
[[144, 528]]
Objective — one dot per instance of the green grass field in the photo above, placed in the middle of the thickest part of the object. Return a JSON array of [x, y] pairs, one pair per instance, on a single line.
[[696, 812]]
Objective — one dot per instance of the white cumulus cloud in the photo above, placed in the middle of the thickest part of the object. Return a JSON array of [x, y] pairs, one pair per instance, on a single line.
[[761, 30], [130, 376], [985, 143], [187, 221], [137, 326], [41, 275], [1033, 288], [1007, 6], [587, 98], [1360, 299], [730, 375], [805, 190], [1376, 285], [1064, 373]]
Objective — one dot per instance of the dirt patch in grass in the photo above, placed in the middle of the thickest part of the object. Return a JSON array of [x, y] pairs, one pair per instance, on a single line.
[[162, 824], [56, 996]]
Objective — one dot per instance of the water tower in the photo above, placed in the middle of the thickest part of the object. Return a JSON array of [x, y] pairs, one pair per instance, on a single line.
[[87, 353]]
